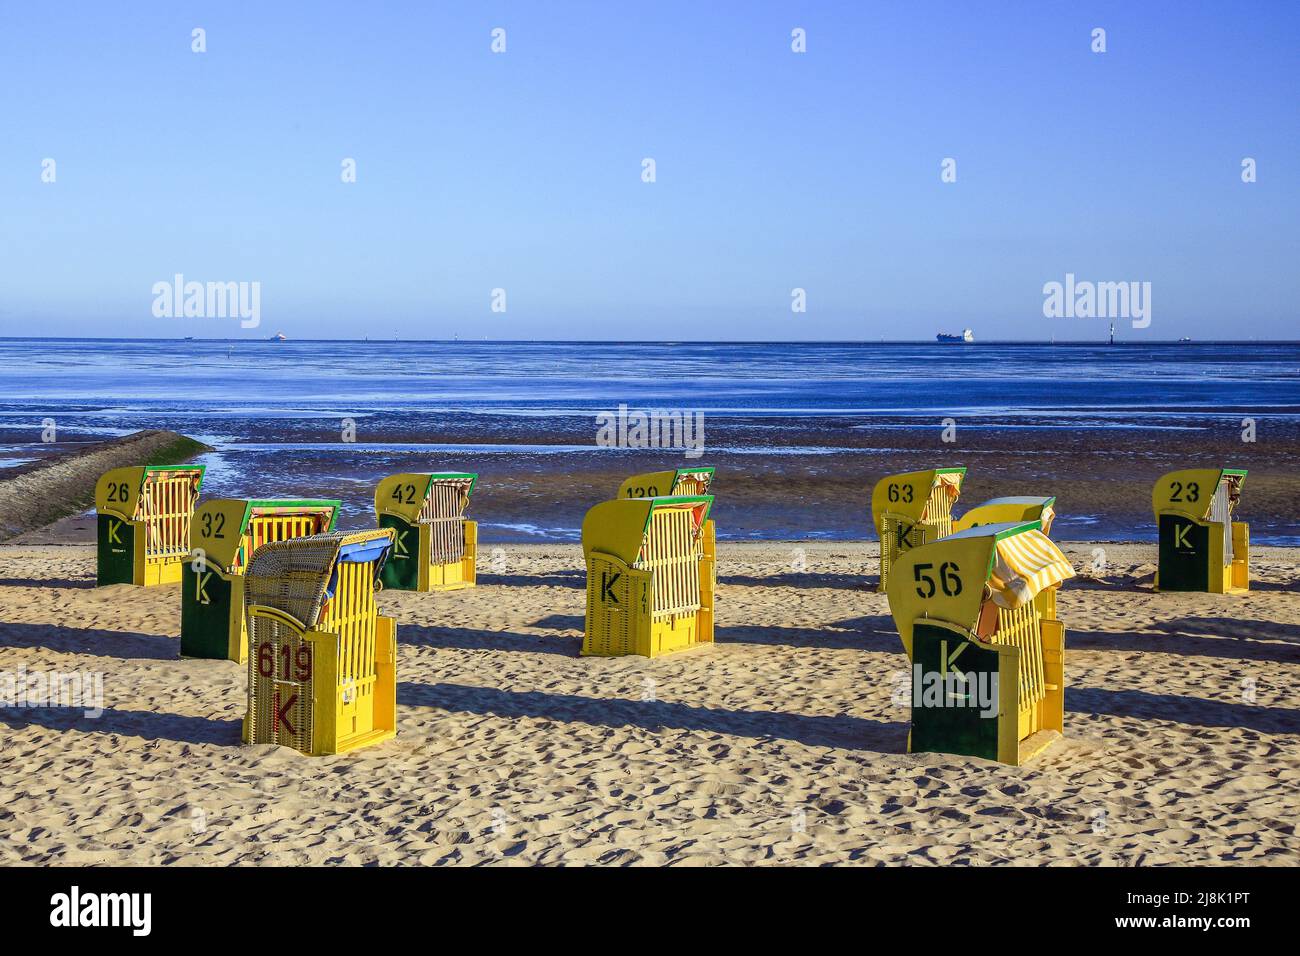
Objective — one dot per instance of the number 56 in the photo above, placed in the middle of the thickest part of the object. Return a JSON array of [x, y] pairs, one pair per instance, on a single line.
[[949, 580]]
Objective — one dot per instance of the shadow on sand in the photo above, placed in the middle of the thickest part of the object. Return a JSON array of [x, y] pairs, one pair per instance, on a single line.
[[124, 645], [145, 724], [841, 731], [1196, 711]]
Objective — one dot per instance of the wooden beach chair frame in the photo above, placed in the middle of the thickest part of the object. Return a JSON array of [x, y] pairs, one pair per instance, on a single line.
[[1200, 547], [322, 661], [436, 546], [650, 586], [958, 617], [143, 518]]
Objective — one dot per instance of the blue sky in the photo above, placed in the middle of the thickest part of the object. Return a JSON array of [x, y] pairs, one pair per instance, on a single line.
[[775, 170]]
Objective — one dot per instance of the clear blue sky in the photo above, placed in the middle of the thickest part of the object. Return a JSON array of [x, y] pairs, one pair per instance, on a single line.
[[774, 170]]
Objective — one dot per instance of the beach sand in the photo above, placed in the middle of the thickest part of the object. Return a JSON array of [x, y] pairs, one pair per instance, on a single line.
[[780, 744]]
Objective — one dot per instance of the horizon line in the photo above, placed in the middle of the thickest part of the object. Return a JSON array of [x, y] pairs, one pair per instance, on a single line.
[[560, 341]]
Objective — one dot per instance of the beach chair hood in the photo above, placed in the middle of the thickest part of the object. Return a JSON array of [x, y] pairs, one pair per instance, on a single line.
[[1190, 492], [405, 495], [946, 579], [1013, 509], [653, 484], [120, 491], [619, 527], [908, 495], [298, 577], [220, 524]]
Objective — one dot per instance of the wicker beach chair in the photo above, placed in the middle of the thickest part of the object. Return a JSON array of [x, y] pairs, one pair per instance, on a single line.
[[976, 611], [143, 519], [649, 583], [910, 509], [1201, 547], [321, 659], [435, 548], [224, 536]]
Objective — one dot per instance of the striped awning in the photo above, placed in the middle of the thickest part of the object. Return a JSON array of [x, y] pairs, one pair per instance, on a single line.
[[1027, 563]]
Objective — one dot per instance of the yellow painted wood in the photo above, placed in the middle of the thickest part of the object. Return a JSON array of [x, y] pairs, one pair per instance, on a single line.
[[339, 673], [1029, 640], [651, 576], [908, 510], [157, 502]]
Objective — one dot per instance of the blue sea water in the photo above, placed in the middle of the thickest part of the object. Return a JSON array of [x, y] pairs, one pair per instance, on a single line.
[[530, 406]]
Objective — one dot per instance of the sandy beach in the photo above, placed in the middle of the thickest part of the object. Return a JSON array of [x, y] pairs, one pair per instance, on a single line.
[[782, 743]]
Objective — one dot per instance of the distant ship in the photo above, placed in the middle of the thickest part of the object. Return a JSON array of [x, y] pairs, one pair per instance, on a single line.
[[279, 337], [1184, 339], [966, 336]]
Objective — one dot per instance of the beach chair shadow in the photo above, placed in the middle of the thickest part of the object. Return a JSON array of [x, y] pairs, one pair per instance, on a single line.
[[1196, 711], [562, 622], [851, 733], [1254, 585], [803, 579], [1229, 628], [54, 583], [145, 724], [123, 645], [1198, 637], [555, 579], [870, 632], [473, 639], [1133, 582]]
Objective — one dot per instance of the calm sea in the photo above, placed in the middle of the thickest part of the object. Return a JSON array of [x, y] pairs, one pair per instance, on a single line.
[[528, 409]]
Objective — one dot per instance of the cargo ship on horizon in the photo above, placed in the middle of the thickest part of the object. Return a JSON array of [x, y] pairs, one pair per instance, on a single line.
[[966, 336]]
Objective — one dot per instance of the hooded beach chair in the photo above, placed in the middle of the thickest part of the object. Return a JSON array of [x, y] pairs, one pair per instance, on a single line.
[[910, 509], [1016, 509], [434, 547], [656, 484], [649, 583], [322, 675], [1201, 547], [976, 612], [144, 512], [224, 535], [682, 481]]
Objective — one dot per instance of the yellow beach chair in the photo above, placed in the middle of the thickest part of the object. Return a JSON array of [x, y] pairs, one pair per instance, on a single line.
[[910, 509], [224, 535], [649, 583], [322, 661], [1201, 547], [1016, 509], [143, 534], [435, 548], [976, 611]]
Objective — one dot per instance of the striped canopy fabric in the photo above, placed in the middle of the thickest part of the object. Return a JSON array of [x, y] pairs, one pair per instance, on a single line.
[[1027, 563]]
